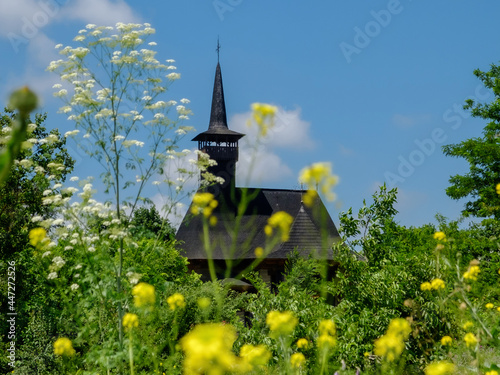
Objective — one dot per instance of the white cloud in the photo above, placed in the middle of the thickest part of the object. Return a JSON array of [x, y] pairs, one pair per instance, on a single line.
[[17, 16], [289, 130], [100, 12], [266, 167], [41, 49]]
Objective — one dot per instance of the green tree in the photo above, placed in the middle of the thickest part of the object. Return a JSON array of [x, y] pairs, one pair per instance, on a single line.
[[41, 164], [482, 154]]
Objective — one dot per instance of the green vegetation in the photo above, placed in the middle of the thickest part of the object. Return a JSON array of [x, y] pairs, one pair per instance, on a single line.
[[102, 289]]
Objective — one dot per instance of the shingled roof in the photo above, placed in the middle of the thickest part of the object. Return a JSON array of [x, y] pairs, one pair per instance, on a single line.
[[305, 232]]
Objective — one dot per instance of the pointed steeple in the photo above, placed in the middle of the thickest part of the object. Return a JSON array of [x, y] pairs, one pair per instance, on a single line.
[[218, 130], [218, 113], [220, 143]]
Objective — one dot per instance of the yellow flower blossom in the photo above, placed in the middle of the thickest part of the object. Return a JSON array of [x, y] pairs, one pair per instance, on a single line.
[[498, 308], [470, 339], [144, 294], [208, 349], [440, 368], [440, 236], [130, 321], [263, 115], [37, 235], [319, 177], [259, 252], [255, 355], [391, 345], [446, 340], [437, 284], [497, 188], [63, 346], [282, 220], [281, 323], [426, 286], [327, 327], [175, 301], [489, 305], [492, 372], [326, 341], [472, 273], [297, 360], [302, 343], [203, 302], [468, 325], [204, 203]]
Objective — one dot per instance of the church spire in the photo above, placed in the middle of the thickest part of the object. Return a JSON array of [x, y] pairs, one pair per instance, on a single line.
[[218, 113]]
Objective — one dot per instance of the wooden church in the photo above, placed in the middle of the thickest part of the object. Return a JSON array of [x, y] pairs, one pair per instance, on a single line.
[[237, 251]]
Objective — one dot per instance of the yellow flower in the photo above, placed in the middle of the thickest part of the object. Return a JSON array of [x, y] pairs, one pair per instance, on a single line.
[[498, 308], [297, 359], [263, 115], [255, 355], [326, 341], [302, 343], [281, 220], [63, 346], [204, 203], [440, 236], [37, 235], [203, 302], [440, 368], [259, 252], [492, 372], [399, 327], [472, 273], [425, 286], [470, 339], [318, 176], [327, 327], [176, 300], [437, 284], [208, 349], [281, 323], [468, 325], [498, 188], [391, 345], [130, 321], [489, 305], [446, 340], [144, 294], [212, 221]]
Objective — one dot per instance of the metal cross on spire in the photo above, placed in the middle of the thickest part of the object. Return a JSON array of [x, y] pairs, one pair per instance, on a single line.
[[218, 49]]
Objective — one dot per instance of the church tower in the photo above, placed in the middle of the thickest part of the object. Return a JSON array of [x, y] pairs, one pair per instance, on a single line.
[[220, 143]]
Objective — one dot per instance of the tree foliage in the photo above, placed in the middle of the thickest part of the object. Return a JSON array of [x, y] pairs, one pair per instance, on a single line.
[[482, 153]]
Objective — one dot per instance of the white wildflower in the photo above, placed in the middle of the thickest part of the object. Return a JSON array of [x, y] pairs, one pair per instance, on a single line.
[[173, 76], [52, 275], [74, 286], [71, 133]]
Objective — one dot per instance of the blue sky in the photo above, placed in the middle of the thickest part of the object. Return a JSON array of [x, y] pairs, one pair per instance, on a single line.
[[375, 87]]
